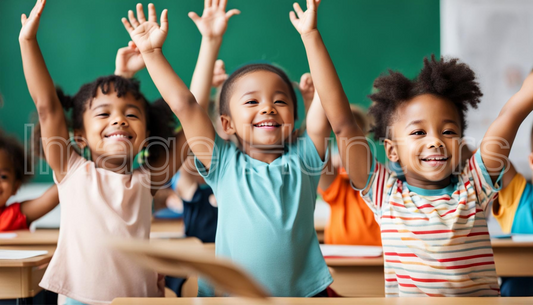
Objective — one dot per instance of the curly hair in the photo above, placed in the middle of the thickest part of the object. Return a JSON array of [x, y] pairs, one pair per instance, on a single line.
[[446, 78], [21, 161], [227, 87], [160, 120]]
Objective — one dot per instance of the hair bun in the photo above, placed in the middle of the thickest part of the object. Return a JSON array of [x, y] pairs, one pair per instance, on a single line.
[[66, 100]]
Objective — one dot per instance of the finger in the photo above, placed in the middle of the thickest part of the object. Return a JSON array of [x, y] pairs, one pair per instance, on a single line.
[[219, 65], [214, 3], [152, 15], [222, 4], [207, 4], [311, 5], [23, 19], [131, 16], [195, 18], [293, 18], [132, 45], [317, 3], [232, 13], [304, 80], [140, 13], [40, 7], [164, 21], [127, 25], [298, 10]]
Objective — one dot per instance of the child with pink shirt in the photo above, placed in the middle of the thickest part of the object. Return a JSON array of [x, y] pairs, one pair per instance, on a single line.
[[102, 195]]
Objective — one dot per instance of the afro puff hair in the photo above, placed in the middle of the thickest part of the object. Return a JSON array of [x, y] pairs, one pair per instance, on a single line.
[[446, 78]]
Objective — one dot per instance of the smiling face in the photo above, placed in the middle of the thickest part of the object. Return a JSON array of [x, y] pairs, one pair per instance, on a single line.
[[114, 128], [261, 111], [425, 139], [8, 183]]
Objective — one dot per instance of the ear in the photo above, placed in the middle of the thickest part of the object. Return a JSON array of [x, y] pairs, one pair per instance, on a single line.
[[227, 124], [531, 160], [79, 138], [391, 151]]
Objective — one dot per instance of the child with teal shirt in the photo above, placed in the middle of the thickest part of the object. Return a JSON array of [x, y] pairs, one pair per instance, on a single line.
[[266, 184]]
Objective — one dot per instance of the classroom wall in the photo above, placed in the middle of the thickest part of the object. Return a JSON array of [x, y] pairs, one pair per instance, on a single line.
[[79, 40]]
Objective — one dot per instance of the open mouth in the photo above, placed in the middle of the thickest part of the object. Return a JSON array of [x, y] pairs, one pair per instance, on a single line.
[[267, 125], [435, 161], [119, 136]]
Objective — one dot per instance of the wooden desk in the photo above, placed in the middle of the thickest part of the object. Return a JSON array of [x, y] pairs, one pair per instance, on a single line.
[[513, 258], [20, 278], [357, 277], [322, 301], [39, 237]]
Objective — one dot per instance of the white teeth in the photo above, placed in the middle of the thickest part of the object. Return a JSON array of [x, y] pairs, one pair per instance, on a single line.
[[117, 136]]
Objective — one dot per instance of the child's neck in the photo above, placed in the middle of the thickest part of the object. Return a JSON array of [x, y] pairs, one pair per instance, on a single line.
[[428, 185], [262, 154], [117, 165]]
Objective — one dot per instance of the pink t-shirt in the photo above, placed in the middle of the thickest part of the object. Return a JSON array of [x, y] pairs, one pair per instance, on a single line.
[[97, 204]]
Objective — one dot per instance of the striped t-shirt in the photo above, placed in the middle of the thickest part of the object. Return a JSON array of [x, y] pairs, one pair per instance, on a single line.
[[436, 242]]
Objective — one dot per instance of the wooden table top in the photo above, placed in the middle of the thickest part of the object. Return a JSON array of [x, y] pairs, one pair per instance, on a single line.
[[322, 301], [39, 237]]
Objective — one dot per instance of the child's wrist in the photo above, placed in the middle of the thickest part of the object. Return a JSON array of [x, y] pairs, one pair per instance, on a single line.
[[214, 40], [125, 74], [311, 34]]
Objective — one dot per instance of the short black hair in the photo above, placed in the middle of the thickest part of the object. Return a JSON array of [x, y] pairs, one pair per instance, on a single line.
[[445, 78], [20, 160], [228, 85], [160, 120]]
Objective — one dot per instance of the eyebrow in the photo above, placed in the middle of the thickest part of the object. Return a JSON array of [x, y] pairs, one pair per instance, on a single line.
[[128, 106], [252, 92], [421, 121]]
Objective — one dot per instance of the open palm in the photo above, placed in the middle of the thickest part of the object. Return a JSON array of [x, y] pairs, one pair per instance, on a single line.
[[306, 21], [214, 20], [147, 34], [30, 24]]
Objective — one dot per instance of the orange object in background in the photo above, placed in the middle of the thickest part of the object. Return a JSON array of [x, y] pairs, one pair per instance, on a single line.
[[351, 221]]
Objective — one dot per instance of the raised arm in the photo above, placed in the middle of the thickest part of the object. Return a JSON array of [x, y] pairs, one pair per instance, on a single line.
[[129, 61], [38, 207], [149, 38], [318, 127], [212, 25], [353, 146], [498, 140], [51, 116]]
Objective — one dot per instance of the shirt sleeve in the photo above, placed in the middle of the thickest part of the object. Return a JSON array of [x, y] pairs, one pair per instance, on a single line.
[[377, 187], [219, 159], [311, 161], [509, 199], [478, 175], [74, 162], [12, 218]]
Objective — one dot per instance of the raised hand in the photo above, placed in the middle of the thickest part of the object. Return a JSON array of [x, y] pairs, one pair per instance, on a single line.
[[129, 61], [306, 21], [307, 88], [219, 74], [30, 24], [214, 20], [147, 35]]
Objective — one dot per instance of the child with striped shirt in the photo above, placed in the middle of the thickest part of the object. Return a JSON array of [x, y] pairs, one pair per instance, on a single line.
[[433, 226]]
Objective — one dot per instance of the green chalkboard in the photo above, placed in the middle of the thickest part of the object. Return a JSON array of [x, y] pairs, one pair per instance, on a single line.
[[79, 40]]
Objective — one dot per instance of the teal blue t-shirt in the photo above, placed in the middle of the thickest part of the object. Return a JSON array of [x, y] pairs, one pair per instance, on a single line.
[[265, 217], [523, 219]]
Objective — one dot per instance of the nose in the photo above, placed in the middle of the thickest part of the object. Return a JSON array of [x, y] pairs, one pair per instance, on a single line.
[[120, 120], [269, 109], [435, 143]]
